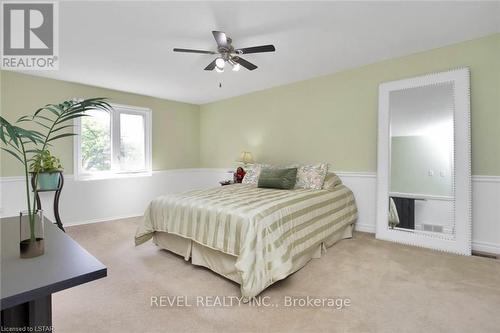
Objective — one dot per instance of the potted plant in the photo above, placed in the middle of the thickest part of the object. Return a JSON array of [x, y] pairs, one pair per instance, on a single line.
[[48, 168], [29, 146]]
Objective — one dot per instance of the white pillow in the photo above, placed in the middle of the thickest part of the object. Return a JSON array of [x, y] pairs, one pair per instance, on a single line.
[[311, 176]]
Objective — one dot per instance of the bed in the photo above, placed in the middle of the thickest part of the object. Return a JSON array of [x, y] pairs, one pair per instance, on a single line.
[[252, 236]]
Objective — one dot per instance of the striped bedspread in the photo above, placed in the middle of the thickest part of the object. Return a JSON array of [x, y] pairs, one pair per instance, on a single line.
[[263, 228]]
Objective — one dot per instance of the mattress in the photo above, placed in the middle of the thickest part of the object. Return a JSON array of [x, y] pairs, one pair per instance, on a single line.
[[266, 230]]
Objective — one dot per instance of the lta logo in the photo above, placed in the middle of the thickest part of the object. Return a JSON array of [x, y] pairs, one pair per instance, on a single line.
[[29, 38]]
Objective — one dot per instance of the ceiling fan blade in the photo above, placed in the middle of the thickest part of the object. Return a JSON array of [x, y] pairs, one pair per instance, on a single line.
[[210, 66], [221, 39], [256, 49], [194, 51], [244, 63]]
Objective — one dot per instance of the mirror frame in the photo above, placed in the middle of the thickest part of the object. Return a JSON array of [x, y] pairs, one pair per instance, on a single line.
[[462, 183]]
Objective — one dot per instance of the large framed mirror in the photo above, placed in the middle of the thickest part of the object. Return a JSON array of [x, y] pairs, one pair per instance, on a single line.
[[424, 162]]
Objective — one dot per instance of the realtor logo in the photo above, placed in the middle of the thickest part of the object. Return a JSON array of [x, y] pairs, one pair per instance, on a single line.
[[30, 36]]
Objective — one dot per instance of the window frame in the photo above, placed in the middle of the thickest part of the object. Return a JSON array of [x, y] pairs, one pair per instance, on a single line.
[[117, 110]]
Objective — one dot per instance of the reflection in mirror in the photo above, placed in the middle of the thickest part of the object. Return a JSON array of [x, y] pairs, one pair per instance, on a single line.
[[422, 159]]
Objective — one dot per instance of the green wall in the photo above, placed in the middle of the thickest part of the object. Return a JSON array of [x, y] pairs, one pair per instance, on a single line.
[[334, 118], [176, 126]]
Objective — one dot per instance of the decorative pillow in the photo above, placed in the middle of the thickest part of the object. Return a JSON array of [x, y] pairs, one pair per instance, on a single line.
[[311, 176], [252, 174], [283, 179], [331, 180]]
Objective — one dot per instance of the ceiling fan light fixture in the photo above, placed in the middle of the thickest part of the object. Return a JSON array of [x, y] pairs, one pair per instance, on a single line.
[[225, 52], [220, 63]]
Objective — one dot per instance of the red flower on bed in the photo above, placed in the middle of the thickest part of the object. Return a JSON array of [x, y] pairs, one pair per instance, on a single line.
[[239, 174]]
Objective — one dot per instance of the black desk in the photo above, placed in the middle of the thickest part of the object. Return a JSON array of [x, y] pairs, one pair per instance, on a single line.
[[27, 285]]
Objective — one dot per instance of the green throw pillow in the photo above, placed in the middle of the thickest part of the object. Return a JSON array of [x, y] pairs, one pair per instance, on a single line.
[[283, 179]]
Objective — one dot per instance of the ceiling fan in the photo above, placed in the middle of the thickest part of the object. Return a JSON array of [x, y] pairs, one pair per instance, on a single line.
[[228, 54]]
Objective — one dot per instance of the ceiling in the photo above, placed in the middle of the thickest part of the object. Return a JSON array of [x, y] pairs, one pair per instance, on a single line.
[[128, 45]]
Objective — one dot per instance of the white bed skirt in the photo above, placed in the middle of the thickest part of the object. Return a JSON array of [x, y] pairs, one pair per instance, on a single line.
[[224, 264]]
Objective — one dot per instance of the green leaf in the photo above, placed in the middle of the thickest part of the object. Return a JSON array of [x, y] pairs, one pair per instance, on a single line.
[[2, 135], [94, 103], [45, 118], [71, 112], [13, 154], [61, 136], [57, 109], [61, 128], [62, 120], [12, 133], [31, 135], [94, 99], [51, 108], [42, 124], [8, 127], [24, 118]]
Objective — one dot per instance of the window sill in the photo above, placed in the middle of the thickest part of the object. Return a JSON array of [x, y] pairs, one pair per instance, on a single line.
[[104, 176]]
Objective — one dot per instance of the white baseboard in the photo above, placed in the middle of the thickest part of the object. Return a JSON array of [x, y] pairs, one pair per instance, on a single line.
[[107, 219], [486, 247], [486, 179], [365, 228], [110, 199]]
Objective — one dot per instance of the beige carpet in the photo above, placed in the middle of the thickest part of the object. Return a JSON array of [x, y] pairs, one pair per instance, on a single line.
[[392, 288]]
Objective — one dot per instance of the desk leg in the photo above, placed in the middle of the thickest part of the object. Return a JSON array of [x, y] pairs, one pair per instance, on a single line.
[[35, 314]]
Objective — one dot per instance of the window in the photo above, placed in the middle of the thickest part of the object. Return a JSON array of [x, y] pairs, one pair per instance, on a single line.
[[113, 144]]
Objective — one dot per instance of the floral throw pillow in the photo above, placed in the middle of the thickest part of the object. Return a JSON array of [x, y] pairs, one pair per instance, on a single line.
[[311, 176], [252, 173]]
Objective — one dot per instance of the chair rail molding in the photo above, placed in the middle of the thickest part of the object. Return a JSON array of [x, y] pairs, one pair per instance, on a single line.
[[111, 199]]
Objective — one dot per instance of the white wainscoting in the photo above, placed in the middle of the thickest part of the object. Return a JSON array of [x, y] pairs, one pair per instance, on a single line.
[[485, 207], [486, 213], [108, 199], [88, 201]]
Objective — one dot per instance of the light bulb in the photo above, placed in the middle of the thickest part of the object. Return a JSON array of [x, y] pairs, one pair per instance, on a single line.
[[219, 70], [219, 62], [236, 67]]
